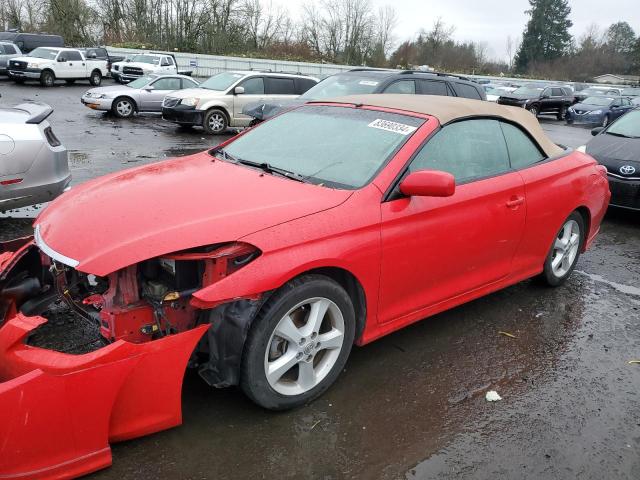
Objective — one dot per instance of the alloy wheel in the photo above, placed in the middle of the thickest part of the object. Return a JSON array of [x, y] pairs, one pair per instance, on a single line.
[[216, 122], [124, 108], [304, 346], [565, 248]]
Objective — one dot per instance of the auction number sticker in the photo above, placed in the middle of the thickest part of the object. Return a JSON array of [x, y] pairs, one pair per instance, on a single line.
[[369, 83], [395, 127]]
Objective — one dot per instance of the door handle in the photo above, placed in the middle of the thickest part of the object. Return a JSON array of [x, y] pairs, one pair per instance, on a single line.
[[515, 202]]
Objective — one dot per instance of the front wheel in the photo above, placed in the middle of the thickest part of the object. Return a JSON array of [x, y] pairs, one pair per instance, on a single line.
[[96, 78], [534, 110], [605, 121], [47, 79], [123, 107], [298, 344], [215, 122], [565, 251], [562, 113]]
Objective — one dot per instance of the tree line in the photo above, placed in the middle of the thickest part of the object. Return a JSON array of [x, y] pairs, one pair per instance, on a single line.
[[351, 32]]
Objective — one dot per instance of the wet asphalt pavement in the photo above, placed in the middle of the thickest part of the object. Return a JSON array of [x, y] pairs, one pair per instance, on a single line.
[[411, 405]]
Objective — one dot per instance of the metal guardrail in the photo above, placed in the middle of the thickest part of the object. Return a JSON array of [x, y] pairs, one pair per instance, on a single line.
[[207, 65]]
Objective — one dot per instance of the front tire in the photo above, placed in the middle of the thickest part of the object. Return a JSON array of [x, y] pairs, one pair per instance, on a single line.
[[565, 251], [534, 109], [123, 107], [298, 344], [215, 122], [47, 79], [605, 121], [562, 114], [96, 78]]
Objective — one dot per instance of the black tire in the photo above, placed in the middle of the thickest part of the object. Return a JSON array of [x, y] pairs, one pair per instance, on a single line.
[[215, 122], [123, 107], [534, 109], [70, 81], [260, 341], [605, 121], [47, 79], [562, 113], [550, 275], [96, 78]]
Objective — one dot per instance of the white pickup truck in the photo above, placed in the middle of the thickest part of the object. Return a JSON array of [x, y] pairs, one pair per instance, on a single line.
[[48, 64], [147, 63]]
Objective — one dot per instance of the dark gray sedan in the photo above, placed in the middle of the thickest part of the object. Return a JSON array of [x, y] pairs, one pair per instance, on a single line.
[[142, 95]]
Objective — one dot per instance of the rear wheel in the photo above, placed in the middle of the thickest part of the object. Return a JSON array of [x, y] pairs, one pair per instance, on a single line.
[[562, 113], [215, 122], [565, 251], [96, 78], [123, 107], [298, 344], [47, 78]]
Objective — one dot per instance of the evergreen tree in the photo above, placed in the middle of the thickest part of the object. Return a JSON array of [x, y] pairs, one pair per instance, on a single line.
[[546, 36], [621, 38]]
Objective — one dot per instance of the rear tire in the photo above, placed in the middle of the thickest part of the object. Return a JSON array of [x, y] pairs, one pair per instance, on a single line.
[[565, 251], [298, 344], [47, 79], [96, 78], [215, 122], [123, 107]]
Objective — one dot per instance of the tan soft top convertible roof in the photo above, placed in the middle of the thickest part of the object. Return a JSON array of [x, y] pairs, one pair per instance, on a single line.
[[447, 109]]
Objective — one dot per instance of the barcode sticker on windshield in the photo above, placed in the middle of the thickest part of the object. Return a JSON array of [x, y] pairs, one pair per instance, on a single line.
[[395, 127]]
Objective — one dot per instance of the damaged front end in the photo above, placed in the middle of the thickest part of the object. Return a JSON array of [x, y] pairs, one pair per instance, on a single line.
[[88, 360]]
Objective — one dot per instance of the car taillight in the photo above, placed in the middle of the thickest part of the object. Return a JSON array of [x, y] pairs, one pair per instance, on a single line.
[[51, 138]]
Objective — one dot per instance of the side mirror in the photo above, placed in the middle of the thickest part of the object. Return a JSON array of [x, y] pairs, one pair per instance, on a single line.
[[238, 90], [428, 183], [596, 131], [544, 97], [149, 88]]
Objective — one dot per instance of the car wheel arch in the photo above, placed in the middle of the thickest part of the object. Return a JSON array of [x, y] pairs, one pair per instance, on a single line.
[[126, 97], [220, 107], [585, 213]]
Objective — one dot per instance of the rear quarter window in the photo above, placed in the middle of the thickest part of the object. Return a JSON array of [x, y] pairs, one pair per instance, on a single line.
[[433, 87], [467, 91], [280, 86], [304, 84]]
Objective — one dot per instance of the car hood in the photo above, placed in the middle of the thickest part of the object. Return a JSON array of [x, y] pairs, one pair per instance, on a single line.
[[111, 89], [142, 65], [124, 218], [589, 107], [518, 96], [614, 152], [197, 93], [37, 61]]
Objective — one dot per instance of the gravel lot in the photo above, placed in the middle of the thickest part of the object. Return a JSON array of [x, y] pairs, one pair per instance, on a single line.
[[411, 405]]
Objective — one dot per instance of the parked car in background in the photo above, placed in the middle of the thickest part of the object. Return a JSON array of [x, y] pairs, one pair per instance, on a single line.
[[597, 91], [8, 51], [598, 110], [138, 65], [495, 92], [101, 53], [631, 92], [50, 64], [362, 81], [617, 147], [142, 95], [34, 167], [30, 41], [218, 102], [540, 99]]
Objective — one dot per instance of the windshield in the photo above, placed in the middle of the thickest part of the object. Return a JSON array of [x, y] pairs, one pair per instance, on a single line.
[[47, 53], [139, 82], [631, 92], [528, 91], [338, 147], [626, 126], [221, 81], [340, 85], [146, 59], [600, 101]]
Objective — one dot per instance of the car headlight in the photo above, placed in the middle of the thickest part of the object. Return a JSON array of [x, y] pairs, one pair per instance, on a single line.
[[596, 112], [190, 101], [96, 95], [582, 148], [33, 65], [570, 109]]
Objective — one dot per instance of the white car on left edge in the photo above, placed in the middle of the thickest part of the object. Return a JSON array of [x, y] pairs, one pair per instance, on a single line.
[[48, 64]]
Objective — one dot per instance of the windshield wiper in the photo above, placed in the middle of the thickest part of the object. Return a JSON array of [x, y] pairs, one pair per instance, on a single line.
[[620, 135], [226, 156], [268, 168]]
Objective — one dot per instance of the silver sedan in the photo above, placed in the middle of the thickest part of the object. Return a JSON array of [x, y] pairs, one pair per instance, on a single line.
[[33, 162], [142, 95]]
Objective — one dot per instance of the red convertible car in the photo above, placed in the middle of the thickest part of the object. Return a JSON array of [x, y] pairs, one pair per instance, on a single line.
[[262, 261]]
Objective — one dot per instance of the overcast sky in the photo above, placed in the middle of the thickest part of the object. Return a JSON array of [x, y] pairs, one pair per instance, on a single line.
[[491, 21]]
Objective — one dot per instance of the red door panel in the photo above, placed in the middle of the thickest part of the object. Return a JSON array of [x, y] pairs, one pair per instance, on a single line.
[[437, 248]]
